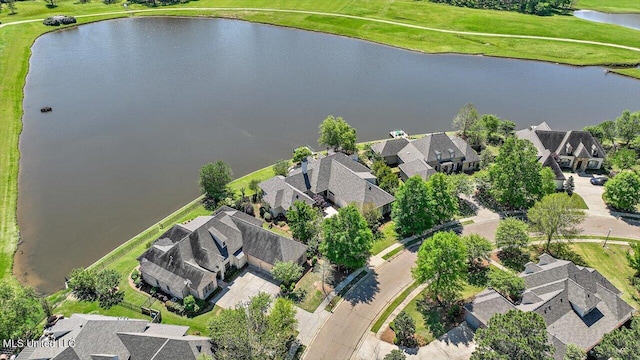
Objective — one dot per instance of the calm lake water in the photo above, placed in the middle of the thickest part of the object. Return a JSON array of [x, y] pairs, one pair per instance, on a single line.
[[626, 20], [140, 104]]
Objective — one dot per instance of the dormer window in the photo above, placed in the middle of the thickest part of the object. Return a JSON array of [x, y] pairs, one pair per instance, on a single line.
[[569, 149], [451, 152], [594, 150], [438, 155]]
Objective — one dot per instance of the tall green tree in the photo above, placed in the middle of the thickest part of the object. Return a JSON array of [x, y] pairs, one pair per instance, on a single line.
[[442, 263], [622, 192], [628, 125], [506, 283], [512, 235], [281, 167], [347, 239], [252, 332], [286, 271], [214, 180], [387, 180], [301, 153], [20, 311], [107, 291], [463, 121], [372, 215], [304, 221], [405, 328], [337, 133], [515, 176], [595, 131], [478, 248], [506, 128], [444, 201], [623, 343], [574, 352], [83, 284], [412, 209], [633, 257], [461, 184], [625, 159], [515, 335], [608, 131], [547, 177], [555, 215], [490, 124]]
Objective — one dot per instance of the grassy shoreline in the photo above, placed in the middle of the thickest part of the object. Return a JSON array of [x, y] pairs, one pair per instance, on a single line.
[[16, 42]]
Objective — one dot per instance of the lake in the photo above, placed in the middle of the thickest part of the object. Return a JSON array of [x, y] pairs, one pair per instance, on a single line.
[[627, 20], [139, 105]]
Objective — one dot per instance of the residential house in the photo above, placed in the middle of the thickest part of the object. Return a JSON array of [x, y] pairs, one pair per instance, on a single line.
[[577, 303], [98, 337], [190, 258], [575, 150], [336, 177], [437, 152]]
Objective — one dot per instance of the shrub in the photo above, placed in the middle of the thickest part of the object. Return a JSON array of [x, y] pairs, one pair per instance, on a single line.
[[267, 217], [135, 275], [507, 284], [190, 305], [59, 20]]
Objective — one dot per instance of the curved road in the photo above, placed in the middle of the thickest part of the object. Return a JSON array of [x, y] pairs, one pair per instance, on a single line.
[[396, 23], [340, 336]]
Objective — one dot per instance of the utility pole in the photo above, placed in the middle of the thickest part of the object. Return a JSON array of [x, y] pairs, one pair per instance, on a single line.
[[607, 239]]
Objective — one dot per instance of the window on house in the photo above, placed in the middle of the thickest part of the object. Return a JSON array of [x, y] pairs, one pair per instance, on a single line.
[[438, 155], [592, 164], [569, 149]]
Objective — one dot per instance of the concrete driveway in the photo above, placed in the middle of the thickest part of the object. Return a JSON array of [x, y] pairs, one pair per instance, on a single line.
[[592, 194], [248, 284]]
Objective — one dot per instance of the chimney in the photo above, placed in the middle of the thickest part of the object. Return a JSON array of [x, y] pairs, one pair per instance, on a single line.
[[304, 165]]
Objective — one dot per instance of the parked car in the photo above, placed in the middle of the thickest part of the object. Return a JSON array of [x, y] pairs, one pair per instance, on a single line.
[[600, 180]]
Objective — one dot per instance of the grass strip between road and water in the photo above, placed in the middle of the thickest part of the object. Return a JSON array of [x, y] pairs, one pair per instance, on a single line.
[[394, 304]]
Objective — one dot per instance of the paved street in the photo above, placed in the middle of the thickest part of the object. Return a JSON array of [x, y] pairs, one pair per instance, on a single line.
[[351, 320]]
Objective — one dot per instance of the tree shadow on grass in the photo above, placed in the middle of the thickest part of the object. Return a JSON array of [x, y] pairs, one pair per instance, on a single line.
[[364, 291], [514, 259], [478, 275]]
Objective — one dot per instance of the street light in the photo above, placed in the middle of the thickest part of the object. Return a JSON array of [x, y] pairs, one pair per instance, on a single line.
[[607, 239]]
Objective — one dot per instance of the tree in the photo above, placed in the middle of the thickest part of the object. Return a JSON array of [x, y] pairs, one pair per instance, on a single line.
[[337, 133], [405, 328], [387, 180], [444, 201], [608, 131], [625, 159], [634, 259], [512, 235], [515, 176], [301, 153], [190, 304], [20, 311], [281, 167], [506, 128], [250, 332], [372, 215], [623, 343], [478, 248], [623, 191], [467, 116], [253, 185], [507, 284], [326, 270], [442, 263], [395, 354], [11, 4], [595, 131], [548, 179], [304, 221], [513, 335], [83, 284], [574, 352], [286, 271], [347, 238], [214, 179], [555, 215], [411, 211], [486, 158], [107, 291], [461, 184], [628, 125], [491, 123], [569, 185]]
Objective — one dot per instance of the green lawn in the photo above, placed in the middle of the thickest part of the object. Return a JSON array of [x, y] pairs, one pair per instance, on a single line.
[[313, 297], [389, 237], [394, 304], [611, 262]]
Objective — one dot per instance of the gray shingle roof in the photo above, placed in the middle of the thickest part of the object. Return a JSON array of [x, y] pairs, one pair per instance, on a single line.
[[389, 147], [581, 142], [548, 160], [470, 155], [278, 193], [578, 304], [432, 144], [417, 167], [337, 173]]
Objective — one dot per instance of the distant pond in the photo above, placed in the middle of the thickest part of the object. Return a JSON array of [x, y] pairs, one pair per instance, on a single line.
[[627, 20], [140, 104]]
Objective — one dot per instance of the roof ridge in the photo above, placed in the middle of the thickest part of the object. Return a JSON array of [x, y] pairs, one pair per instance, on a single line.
[[160, 349]]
